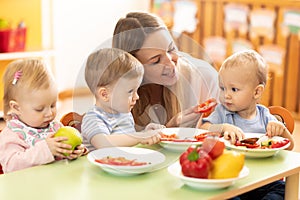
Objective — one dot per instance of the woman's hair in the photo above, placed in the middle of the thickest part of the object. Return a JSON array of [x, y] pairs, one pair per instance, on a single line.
[[129, 34], [249, 58], [105, 66], [24, 75]]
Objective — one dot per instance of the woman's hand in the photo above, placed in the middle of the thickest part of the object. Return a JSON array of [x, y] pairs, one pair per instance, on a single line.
[[57, 147], [186, 118]]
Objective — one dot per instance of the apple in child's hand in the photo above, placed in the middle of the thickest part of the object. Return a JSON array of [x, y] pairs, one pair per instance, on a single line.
[[73, 135]]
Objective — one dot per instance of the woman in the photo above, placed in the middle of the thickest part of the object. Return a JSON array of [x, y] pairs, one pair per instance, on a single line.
[[174, 82]]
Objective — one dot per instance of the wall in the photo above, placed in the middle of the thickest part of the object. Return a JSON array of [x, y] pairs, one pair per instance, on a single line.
[[30, 12], [79, 27]]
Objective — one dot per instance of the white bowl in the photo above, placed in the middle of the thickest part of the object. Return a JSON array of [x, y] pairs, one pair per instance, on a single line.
[[181, 133], [205, 184], [151, 157], [256, 152]]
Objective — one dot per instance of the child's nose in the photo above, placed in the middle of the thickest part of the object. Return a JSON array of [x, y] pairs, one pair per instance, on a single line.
[[48, 113], [227, 95], [135, 96]]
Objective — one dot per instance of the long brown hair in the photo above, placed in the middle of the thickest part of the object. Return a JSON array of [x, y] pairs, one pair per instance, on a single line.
[[129, 34]]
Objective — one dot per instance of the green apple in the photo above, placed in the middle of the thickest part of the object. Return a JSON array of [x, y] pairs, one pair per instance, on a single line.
[[73, 135]]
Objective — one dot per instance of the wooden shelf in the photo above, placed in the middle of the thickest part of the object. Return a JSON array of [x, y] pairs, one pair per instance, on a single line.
[[26, 54]]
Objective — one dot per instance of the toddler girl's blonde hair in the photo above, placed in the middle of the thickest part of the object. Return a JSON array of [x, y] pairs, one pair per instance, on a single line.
[[107, 65], [24, 75], [249, 59]]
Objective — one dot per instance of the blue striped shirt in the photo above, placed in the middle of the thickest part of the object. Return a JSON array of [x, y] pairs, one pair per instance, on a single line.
[[96, 121], [255, 125]]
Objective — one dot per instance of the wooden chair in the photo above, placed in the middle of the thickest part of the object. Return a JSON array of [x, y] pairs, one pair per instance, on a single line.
[[72, 119], [284, 116]]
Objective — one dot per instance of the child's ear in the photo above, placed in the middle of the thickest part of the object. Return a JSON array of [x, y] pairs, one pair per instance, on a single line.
[[14, 107], [259, 91], [103, 93]]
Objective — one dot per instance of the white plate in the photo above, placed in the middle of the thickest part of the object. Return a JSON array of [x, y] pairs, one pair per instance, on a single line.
[[205, 184], [255, 153], [153, 158], [182, 133]]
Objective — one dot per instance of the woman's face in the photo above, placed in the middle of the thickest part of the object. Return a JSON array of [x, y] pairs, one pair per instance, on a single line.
[[159, 57]]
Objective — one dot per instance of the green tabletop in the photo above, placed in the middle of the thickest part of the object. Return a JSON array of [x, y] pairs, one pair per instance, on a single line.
[[79, 179]]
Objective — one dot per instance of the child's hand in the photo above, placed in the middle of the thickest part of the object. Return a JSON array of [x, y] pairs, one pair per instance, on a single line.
[[232, 133], [79, 150], [56, 146], [153, 126], [275, 128], [150, 137]]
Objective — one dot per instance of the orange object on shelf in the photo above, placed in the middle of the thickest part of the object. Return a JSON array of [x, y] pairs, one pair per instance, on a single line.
[[12, 40]]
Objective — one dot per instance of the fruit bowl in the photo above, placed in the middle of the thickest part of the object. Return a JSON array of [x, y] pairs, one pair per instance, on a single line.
[[205, 184]]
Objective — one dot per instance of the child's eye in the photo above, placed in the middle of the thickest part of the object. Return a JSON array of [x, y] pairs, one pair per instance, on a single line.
[[221, 88], [234, 89], [39, 109]]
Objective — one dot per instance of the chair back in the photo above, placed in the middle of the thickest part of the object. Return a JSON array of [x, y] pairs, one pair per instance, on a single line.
[[284, 116], [72, 119]]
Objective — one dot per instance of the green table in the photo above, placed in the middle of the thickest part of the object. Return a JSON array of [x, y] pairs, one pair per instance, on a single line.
[[80, 180]]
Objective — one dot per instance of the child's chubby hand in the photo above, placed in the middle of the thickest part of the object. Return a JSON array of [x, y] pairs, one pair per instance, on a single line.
[[232, 133], [60, 149], [275, 128], [148, 137], [78, 151]]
